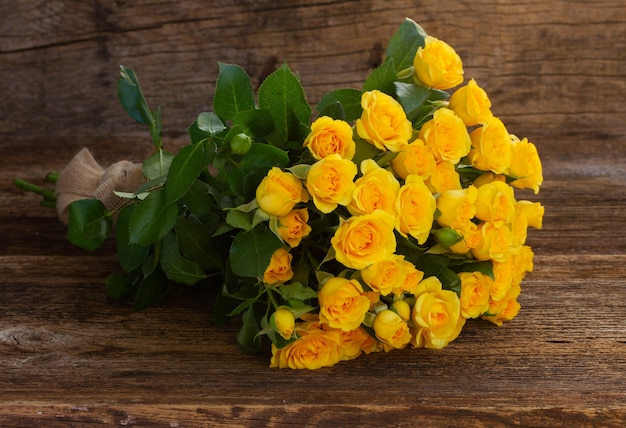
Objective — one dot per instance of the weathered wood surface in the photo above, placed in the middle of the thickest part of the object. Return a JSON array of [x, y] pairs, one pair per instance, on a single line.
[[556, 72]]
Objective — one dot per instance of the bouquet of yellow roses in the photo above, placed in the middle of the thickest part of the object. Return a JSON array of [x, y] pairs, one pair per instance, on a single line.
[[386, 222]]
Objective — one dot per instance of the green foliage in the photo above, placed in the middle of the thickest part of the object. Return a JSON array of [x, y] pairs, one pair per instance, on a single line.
[[89, 223], [152, 219], [251, 251], [233, 92], [404, 44], [132, 99], [282, 95], [347, 101]]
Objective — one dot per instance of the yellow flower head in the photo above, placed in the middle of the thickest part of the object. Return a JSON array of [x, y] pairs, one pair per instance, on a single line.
[[383, 122], [447, 136], [364, 240], [376, 189], [436, 315], [279, 192], [293, 226], [415, 206], [342, 303], [415, 158], [329, 181], [437, 65], [279, 269], [391, 330], [471, 104], [329, 136]]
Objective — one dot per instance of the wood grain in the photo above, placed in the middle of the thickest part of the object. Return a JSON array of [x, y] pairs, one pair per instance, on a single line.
[[556, 73]]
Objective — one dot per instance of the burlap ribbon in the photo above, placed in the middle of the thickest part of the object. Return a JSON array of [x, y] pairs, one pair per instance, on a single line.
[[84, 178]]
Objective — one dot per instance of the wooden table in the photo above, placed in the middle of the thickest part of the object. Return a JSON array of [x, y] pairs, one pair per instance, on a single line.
[[555, 71]]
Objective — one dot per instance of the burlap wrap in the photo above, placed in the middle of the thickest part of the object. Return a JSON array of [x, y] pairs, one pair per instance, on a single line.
[[84, 178]]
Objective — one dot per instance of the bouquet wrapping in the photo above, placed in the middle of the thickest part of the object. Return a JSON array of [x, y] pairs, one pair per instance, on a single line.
[[384, 219]]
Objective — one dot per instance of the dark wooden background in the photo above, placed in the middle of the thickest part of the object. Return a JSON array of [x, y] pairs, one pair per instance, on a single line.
[[556, 73]]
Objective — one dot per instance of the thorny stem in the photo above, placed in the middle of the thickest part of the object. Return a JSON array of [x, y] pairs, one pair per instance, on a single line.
[[48, 195]]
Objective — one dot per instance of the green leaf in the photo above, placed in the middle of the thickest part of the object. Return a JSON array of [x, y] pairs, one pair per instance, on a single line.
[[130, 256], [281, 93], [248, 338], [233, 91], [382, 78], [364, 150], [150, 290], [250, 252], [210, 123], [119, 285], [152, 219], [184, 170], [404, 44], [257, 123], [334, 110], [198, 198], [350, 100], [411, 96], [176, 267], [484, 267], [240, 219], [157, 165], [196, 244], [89, 223], [263, 155], [450, 280], [131, 96], [133, 101], [295, 290]]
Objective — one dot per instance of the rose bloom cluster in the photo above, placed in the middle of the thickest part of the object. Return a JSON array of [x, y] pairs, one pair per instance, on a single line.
[[381, 301]]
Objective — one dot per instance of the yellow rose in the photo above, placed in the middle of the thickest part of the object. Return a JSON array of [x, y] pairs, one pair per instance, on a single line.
[[355, 342], [414, 158], [293, 226], [363, 240], [522, 262], [329, 181], [342, 303], [383, 122], [533, 211], [416, 207], [436, 315], [279, 269], [495, 243], [412, 278], [284, 322], [391, 330], [503, 273], [444, 178], [314, 348], [457, 207], [519, 229], [330, 136], [437, 64], [471, 238], [492, 148], [386, 275], [488, 177], [471, 104], [447, 136], [376, 189], [475, 293], [508, 311], [495, 202], [526, 165], [279, 192], [402, 308]]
